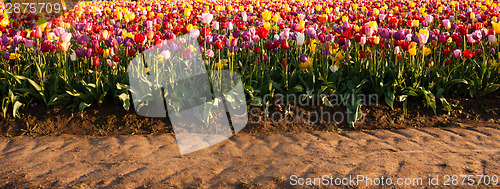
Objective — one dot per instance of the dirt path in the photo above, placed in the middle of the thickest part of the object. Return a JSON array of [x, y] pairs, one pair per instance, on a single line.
[[248, 160]]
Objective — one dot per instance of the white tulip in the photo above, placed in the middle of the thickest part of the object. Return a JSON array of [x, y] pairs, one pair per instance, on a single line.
[[301, 38], [334, 68], [72, 57]]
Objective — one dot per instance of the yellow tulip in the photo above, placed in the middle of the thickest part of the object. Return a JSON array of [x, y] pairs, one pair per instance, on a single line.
[[105, 53], [496, 27], [376, 40], [187, 12], [306, 65], [413, 51], [427, 51], [449, 40], [276, 18], [302, 25], [415, 23], [267, 25], [266, 15]]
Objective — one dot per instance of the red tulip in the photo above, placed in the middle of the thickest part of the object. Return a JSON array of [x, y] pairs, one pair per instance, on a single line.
[[284, 44], [130, 52], [262, 32], [219, 45], [116, 58], [362, 54], [139, 38], [205, 31], [95, 61], [257, 50]]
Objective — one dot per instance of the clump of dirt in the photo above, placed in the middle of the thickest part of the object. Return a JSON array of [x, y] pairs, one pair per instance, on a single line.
[[113, 120]]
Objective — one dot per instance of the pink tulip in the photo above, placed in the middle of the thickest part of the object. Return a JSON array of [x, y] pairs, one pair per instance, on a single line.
[[369, 31], [429, 18], [470, 38], [362, 40], [206, 18], [446, 23], [38, 32], [58, 31], [215, 26], [423, 38], [209, 53], [65, 37], [492, 38], [457, 53], [381, 16]]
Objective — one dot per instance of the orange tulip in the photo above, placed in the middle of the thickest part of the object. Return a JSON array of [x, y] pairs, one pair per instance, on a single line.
[[63, 46]]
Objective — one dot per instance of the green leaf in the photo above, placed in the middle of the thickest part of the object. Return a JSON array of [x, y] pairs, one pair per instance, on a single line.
[[125, 98], [389, 98], [16, 107], [326, 102], [489, 89], [83, 105]]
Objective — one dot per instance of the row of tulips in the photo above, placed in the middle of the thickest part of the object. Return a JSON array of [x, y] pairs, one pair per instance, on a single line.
[[393, 48]]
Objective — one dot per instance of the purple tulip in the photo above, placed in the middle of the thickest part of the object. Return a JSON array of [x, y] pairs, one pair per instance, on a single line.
[[303, 58], [95, 43], [80, 52], [174, 47], [6, 55], [453, 26], [266, 58], [233, 48], [399, 35], [128, 42], [234, 42], [384, 33], [209, 39], [80, 26], [17, 40], [236, 33], [387, 44], [111, 42], [89, 52], [246, 36], [4, 40], [119, 39], [28, 43], [492, 51], [329, 38], [84, 39], [414, 38]]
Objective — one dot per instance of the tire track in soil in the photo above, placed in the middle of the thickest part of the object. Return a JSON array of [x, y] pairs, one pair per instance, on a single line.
[[260, 160]]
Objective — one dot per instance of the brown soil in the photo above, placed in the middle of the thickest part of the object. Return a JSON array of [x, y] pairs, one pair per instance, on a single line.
[[253, 160], [114, 120]]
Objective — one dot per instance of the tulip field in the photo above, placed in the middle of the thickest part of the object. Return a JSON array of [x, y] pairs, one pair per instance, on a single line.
[[430, 50]]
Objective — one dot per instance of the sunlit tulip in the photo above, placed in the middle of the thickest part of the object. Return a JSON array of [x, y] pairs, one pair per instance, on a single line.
[[65, 37], [63, 46], [95, 61], [423, 36], [206, 18], [457, 53], [38, 32], [266, 15]]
